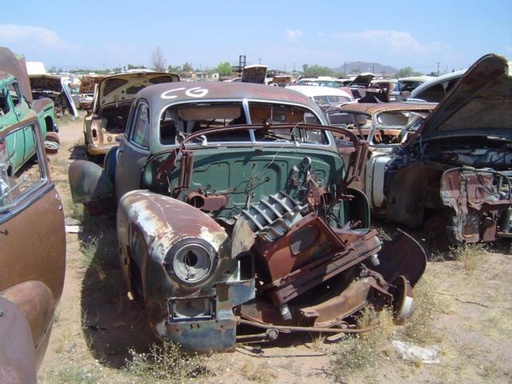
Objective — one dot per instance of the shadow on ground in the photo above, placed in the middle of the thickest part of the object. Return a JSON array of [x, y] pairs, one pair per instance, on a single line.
[[112, 324]]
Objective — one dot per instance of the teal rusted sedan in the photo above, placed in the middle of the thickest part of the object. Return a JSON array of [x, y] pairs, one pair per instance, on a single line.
[[234, 220]]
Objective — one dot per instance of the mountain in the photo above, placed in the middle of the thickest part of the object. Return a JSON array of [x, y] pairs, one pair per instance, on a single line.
[[360, 66]]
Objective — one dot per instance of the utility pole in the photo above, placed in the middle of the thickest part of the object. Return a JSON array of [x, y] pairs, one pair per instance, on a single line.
[[438, 68]]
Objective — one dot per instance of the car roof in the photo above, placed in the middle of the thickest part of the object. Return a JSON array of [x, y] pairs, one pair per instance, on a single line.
[[163, 94], [312, 91]]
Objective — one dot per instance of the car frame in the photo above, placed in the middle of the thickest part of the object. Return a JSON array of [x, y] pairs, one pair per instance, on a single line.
[[237, 224]]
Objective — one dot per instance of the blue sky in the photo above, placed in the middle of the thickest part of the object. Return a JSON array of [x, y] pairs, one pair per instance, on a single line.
[[283, 34]]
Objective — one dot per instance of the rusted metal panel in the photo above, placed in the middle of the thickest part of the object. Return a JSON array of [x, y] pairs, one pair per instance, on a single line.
[[480, 200], [17, 360]]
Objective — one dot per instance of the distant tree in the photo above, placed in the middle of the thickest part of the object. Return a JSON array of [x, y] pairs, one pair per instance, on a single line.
[[158, 60], [223, 69], [187, 67], [406, 72], [174, 69], [316, 70]]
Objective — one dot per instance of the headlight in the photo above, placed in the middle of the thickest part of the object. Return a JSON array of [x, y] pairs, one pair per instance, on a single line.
[[190, 260]]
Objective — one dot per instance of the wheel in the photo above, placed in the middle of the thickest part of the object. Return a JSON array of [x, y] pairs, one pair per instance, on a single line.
[[52, 143]]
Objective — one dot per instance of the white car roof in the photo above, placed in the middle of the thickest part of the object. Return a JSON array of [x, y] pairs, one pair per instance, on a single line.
[[312, 91]]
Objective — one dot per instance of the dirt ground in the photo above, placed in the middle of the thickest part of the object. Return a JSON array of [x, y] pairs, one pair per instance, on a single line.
[[97, 325]]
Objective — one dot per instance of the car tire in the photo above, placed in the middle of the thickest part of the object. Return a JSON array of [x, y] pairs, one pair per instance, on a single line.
[[52, 143]]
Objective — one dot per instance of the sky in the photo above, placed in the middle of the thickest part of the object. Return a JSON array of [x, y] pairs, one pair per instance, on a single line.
[[428, 36]]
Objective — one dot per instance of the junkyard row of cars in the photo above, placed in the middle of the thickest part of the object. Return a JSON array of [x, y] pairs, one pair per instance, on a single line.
[[244, 210]]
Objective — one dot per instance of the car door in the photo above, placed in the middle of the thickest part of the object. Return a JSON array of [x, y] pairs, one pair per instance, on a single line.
[[133, 150], [21, 145], [32, 257]]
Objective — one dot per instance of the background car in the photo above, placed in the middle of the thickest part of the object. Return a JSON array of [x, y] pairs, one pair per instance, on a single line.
[[435, 89], [105, 122], [325, 96]]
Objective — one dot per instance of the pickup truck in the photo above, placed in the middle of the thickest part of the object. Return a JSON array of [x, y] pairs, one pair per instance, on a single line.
[[17, 104]]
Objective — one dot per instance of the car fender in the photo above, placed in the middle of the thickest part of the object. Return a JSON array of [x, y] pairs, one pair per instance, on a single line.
[[17, 359], [163, 221], [89, 182], [35, 300]]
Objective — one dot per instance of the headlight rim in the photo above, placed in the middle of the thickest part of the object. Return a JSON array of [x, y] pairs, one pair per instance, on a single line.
[[208, 256]]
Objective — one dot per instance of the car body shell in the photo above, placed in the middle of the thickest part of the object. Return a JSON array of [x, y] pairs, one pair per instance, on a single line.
[[240, 218], [32, 258], [105, 123], [383, 126]]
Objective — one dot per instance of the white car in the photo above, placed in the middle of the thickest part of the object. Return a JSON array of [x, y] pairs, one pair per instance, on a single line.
[[324, 96], [436, 88]]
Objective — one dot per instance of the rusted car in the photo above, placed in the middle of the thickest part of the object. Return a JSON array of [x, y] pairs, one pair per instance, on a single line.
[[32, 258], [105, 122], [234, 221], [454, 175], [383, 126]]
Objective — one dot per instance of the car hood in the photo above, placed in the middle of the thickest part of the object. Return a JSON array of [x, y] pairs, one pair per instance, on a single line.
[[480, 104], [16, 66], [122, 88], [56, 84], [362, 80]]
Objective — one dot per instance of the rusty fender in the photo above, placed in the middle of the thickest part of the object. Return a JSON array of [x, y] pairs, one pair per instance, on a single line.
[[197, 313], [35, 301], [17, 360]]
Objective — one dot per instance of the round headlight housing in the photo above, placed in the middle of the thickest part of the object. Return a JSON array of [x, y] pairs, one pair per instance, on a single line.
[[191, 261]]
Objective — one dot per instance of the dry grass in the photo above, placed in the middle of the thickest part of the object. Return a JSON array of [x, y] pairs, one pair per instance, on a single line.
[[165, 362]]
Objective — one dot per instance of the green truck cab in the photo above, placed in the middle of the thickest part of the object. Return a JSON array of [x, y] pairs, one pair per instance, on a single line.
[[17, 105]]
